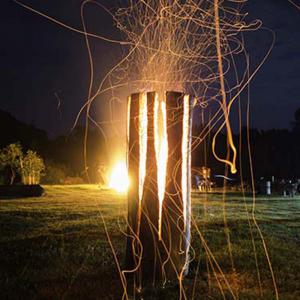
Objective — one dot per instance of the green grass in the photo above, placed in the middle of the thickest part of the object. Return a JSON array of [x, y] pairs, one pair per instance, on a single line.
[[55, 247]]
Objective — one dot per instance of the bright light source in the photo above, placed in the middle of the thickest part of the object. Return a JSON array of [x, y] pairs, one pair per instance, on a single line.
[[118, 179]]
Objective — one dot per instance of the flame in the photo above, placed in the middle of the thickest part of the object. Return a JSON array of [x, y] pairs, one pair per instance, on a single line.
[[161, 151], [185, 149], [143, 125], [128, 121], [118, 179]]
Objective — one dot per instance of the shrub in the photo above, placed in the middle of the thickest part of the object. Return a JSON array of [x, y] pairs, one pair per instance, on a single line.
[[31, 168], [55, 174]]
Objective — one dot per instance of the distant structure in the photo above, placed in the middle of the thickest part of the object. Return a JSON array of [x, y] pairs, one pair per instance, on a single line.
[[202, 178]]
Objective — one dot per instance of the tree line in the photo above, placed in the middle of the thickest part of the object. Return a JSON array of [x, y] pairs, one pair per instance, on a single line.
[[62, 156], [274, 152]]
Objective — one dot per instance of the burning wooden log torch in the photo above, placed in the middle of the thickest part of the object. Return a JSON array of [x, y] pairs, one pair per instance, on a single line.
[[159, 202]]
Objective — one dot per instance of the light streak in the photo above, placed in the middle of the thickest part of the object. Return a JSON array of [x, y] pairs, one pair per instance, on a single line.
[[224, 177], [175, 45], [232, 163]]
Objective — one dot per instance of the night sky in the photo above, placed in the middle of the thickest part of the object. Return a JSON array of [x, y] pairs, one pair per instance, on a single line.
[[44, 67]]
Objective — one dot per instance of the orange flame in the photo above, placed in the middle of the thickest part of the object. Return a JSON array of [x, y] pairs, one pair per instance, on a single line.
[[161, 151], [143, 125], [185, 158]]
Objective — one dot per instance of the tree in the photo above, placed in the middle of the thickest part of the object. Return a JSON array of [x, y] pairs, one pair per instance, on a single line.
[[54, 173], [31, 168], [296, 122], [11, 157]]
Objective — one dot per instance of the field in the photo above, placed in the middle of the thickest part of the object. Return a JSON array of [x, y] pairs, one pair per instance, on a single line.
[[56, 247]]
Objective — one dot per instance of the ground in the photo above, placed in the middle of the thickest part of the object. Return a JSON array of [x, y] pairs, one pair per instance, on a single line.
[[56, 247]]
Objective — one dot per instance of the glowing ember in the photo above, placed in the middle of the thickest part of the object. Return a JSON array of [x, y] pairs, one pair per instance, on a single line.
[[118, 179]]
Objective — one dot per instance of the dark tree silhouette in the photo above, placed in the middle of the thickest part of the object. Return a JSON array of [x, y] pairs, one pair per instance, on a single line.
[[275, 152], [296, 122]]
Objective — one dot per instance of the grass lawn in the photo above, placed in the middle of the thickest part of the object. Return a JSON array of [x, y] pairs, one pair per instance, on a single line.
[[55, 247]]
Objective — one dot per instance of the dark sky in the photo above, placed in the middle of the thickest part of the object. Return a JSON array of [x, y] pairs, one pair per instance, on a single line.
[[41, 61]]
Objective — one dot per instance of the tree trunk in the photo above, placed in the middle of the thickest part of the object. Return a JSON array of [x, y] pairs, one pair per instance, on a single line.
[[13, 176]]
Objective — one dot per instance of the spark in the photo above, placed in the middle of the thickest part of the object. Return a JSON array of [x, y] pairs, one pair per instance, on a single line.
[[188, 46]]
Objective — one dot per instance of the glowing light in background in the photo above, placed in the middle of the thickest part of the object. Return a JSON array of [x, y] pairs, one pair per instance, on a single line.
[[118, 179]]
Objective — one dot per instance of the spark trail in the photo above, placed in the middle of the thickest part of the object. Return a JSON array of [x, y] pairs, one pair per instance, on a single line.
[[181, 45]]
